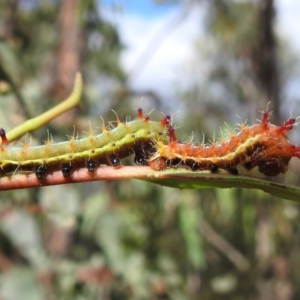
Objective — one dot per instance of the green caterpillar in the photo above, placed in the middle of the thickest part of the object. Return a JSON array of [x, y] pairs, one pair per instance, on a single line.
[[108, 148]]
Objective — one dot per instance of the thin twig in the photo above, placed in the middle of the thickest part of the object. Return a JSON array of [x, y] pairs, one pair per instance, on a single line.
[[30, 125], [236, 257]]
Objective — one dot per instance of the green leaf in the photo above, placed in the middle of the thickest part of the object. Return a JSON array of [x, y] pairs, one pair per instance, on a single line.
[[184, 179]]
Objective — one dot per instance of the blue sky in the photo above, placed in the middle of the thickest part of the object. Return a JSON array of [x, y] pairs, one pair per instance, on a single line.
[[145, 8]]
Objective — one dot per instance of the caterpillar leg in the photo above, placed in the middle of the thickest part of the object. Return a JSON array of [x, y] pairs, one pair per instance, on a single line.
[[158, 164], [41, 172]]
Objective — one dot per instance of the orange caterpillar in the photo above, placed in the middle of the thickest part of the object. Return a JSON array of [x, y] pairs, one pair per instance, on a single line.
[[262, 145]]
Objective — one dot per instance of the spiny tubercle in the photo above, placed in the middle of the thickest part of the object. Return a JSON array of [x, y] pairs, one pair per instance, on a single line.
[[3, 137]]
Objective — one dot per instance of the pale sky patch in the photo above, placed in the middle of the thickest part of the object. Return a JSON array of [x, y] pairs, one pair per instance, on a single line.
[[152, 59]]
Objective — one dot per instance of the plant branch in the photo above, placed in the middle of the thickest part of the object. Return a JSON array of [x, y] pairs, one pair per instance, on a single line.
[[175, 178]]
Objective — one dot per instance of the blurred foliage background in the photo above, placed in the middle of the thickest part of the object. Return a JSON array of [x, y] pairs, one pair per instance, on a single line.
[[134, 240]]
